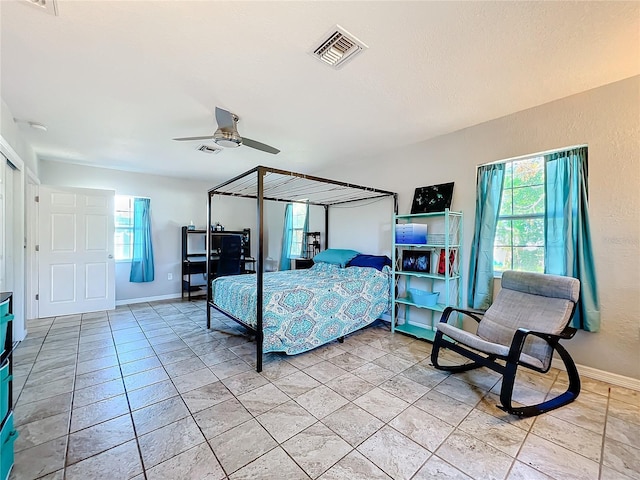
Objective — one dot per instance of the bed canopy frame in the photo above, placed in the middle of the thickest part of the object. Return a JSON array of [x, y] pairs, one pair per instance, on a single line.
[[265, 183]]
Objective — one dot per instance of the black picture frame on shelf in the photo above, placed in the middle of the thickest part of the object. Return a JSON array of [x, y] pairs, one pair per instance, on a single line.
[[434, 198], [416, 261]]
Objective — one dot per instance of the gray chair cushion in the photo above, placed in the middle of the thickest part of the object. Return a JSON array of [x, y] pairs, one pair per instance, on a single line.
[[542, 284], [534, 301], [477, 343]]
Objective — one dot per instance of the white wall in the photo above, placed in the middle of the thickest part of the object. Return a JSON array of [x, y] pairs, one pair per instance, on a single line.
[[174, 203], [608, 120]]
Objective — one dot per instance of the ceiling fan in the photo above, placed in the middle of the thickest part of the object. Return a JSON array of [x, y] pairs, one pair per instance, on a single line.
[[227, 134]]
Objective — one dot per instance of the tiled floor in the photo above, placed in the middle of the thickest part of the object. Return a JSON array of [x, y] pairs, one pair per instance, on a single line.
[[145, 392]]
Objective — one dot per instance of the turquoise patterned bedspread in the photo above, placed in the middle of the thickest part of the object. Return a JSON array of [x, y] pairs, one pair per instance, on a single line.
[[304, 309]]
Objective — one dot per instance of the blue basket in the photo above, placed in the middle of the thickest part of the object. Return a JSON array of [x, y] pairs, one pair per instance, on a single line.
[[422, 298]]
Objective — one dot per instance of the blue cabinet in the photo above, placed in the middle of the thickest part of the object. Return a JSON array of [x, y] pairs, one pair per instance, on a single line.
[[8, 434]]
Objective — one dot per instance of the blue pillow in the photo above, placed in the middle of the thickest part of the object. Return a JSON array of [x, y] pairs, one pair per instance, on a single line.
[[374, 261], [335, 256]]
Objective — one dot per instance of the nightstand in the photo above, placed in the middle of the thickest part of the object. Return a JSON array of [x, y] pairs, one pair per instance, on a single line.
[[302, 263]]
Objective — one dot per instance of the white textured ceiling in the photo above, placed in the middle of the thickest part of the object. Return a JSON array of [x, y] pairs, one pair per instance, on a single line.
[[115, 81]]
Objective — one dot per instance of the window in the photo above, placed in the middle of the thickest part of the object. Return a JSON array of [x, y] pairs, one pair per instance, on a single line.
[[299, 220], [123, 242], [519, 240]]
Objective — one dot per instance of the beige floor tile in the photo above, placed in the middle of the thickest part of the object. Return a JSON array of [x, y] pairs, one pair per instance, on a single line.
[[38, 461], [193, 380], [354, 467], [221, 417], [520, 471], [150, 394], [213, 354], [569, 436], [195, 463], [228, 368], [304, 360], [324, 371], [460, 390], [393, 363], [350, 386], [31, 412], [436, 468], [397, 455], [41, 431], [474, 457], [143, 379], [45, 390], [241, 445], [556, 461], [159, 414], [321, 401], [627, 395], [422, 428], [97, 393], [274, 465], [286, 420], [296, 384], [183, 367], [348, 361], [168, 441], [622, 458], [623, 432], [279, 368], [204, 397], [122, 462], [353, 424], [372, 373], [97, 377], [141, 365], [99, 438], [424, 375], [98, 412], [133, 355], [316, 449], [581, 416], [609, 473], [381, 404], [493, 431], [404, 388], [263, 399], [244, 382], [624, 411]]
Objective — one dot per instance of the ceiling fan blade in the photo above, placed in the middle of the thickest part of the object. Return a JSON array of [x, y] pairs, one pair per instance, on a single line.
[[182, 139], [259, 146], [225, 119]]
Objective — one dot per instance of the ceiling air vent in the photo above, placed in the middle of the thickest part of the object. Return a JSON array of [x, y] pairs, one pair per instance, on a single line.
[[208, 149], [338, 47], [49, 6]]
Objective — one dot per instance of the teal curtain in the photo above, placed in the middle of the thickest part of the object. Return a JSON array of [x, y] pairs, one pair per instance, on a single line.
[[305, 229], [142, 257], [488, 196], [568, 249], [287, 235]]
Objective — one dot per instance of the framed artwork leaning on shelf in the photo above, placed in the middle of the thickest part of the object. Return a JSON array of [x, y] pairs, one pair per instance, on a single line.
[[415, 261], [435, 198]]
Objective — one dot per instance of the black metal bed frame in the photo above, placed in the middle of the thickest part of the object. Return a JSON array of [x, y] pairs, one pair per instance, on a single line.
[[337, 194]]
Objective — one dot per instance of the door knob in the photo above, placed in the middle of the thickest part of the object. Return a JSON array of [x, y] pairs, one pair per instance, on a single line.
[[110, 256]]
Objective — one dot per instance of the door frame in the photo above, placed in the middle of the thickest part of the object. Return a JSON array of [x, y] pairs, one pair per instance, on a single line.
[[31, 242]]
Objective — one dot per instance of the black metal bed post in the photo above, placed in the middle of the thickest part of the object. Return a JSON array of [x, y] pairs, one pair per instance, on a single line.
[[326, 227], [208, 274], [260, 269]]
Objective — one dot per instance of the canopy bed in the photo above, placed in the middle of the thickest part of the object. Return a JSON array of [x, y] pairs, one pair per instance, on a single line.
[[301, 309]]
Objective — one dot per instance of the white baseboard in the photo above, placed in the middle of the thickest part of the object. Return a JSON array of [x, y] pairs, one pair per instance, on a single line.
[[601, 375], [131, 301]]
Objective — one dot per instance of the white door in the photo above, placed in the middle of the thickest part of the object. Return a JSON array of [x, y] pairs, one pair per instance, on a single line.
[[76, 271]]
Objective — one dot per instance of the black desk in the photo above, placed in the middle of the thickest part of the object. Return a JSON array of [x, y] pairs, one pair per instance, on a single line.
[[196, 264]]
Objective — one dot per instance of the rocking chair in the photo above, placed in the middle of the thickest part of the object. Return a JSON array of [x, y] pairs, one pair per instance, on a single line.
[[523, 327]]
